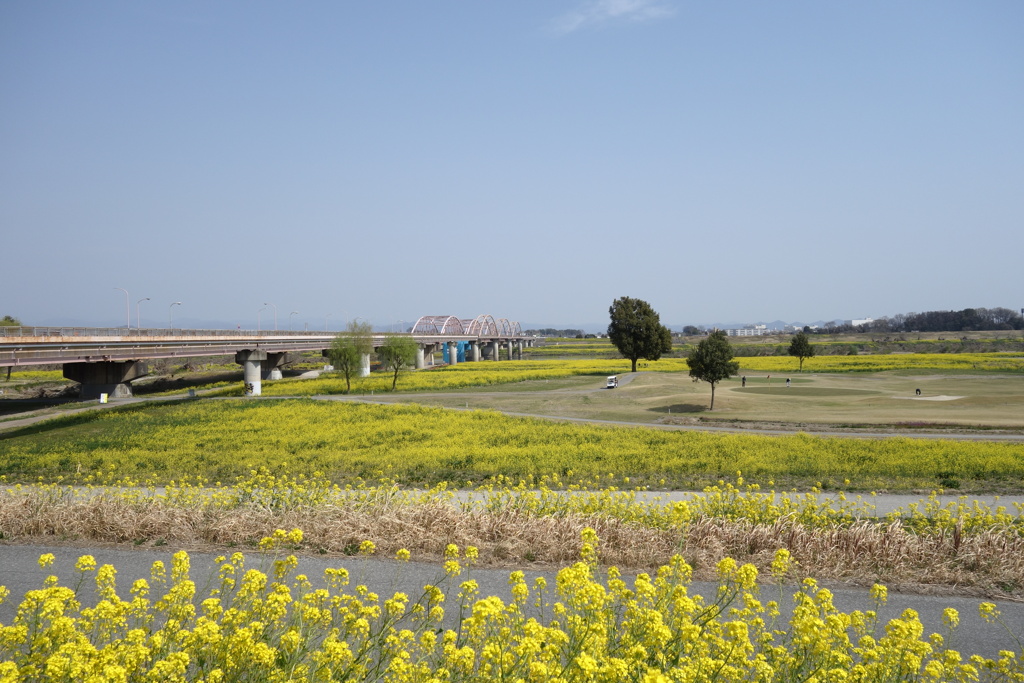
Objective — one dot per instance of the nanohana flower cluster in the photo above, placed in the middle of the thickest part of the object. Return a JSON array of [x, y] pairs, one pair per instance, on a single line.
[[486, 374], [427, 445], [590, 626]]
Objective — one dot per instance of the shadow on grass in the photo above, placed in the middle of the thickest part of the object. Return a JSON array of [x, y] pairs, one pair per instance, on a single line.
[[16, 406], [782, 390], [680, 409], [58, 422], [184, 382]]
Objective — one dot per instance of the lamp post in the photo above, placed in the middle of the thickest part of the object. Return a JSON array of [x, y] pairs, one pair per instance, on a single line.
[[290, 319], [170, 323], [138, 319], [258, 318], [275, 314], [127, 308]]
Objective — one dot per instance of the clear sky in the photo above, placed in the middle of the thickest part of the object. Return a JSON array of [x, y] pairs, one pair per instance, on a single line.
[[723, 160]]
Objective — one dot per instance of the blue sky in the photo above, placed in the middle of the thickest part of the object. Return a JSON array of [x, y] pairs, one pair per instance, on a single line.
[[725, 161]]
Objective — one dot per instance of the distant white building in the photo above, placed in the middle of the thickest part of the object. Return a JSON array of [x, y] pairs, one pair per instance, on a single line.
[[749, 331], [859, 322]]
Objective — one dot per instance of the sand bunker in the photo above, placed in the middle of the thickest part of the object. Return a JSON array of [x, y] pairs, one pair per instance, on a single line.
[[929, 398]]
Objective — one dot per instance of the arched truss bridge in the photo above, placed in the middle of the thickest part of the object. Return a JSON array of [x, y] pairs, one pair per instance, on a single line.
[[480, 326]]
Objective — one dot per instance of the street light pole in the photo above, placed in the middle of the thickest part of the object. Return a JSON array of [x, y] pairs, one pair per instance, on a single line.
[[127, 308], [275, 314], [138, 324], [170, 325], [290, 319]]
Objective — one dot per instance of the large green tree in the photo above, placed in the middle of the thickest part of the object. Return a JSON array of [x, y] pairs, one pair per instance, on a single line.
[[349, 347], [398, 351], [636, 330], [712, 361], [801, 347]]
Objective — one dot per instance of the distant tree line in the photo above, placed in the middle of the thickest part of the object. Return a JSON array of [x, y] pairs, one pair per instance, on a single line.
[[552, 332], [967, 320]]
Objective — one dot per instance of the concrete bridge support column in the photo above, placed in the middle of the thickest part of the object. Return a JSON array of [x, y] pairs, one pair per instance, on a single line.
[[496, 349], [364, 366], [252, 370], [474, 348], [453, 353], [112, 378], [420, 357], [272, 366]]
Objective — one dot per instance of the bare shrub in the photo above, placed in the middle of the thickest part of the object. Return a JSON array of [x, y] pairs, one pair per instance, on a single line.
[[990, 562]]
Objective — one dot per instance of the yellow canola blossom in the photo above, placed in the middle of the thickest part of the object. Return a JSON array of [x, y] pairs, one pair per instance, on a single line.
[[489, 373], [597, 628], [424, 445]]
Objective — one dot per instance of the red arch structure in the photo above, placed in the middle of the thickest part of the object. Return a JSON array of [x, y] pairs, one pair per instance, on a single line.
[[438, 325], [481, 326]]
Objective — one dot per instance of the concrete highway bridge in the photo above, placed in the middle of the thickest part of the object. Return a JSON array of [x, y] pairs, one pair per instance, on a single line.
[[106, 360]]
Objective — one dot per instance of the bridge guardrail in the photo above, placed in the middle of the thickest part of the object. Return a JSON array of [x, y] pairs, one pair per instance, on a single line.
[[27, 331]]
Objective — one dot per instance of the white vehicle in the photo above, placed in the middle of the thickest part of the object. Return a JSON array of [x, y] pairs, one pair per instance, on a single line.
[[613, 382]]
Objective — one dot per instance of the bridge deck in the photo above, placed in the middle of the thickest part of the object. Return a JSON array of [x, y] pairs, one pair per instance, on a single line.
[[45, 345]]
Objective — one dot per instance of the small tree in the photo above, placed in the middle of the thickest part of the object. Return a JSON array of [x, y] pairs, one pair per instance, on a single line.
[[636, 330], [397, 353], [712, 361], [801, 348], [349, 347], [9, 321]]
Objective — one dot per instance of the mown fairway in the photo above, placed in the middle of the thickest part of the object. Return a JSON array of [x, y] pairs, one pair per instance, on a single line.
[[884, 398]]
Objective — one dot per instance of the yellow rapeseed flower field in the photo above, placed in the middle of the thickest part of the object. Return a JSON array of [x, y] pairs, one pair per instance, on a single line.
[[491, 373], [425, 445], [591, 625]]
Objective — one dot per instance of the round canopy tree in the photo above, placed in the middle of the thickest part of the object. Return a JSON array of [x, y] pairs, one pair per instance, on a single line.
[[801, 348], [712, 361], [636, 330]]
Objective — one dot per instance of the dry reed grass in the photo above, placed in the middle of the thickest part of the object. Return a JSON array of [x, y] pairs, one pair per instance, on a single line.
[[989, 563]]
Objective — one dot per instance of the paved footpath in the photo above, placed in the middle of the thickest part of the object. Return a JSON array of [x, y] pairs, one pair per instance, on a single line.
[[20, 572]]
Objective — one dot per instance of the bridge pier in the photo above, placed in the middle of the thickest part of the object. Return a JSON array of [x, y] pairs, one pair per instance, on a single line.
[[252, 370], [420, 357], [112, 378], [496, 350], [474, 349], [453, 353], [364, 366], [271, 367]]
